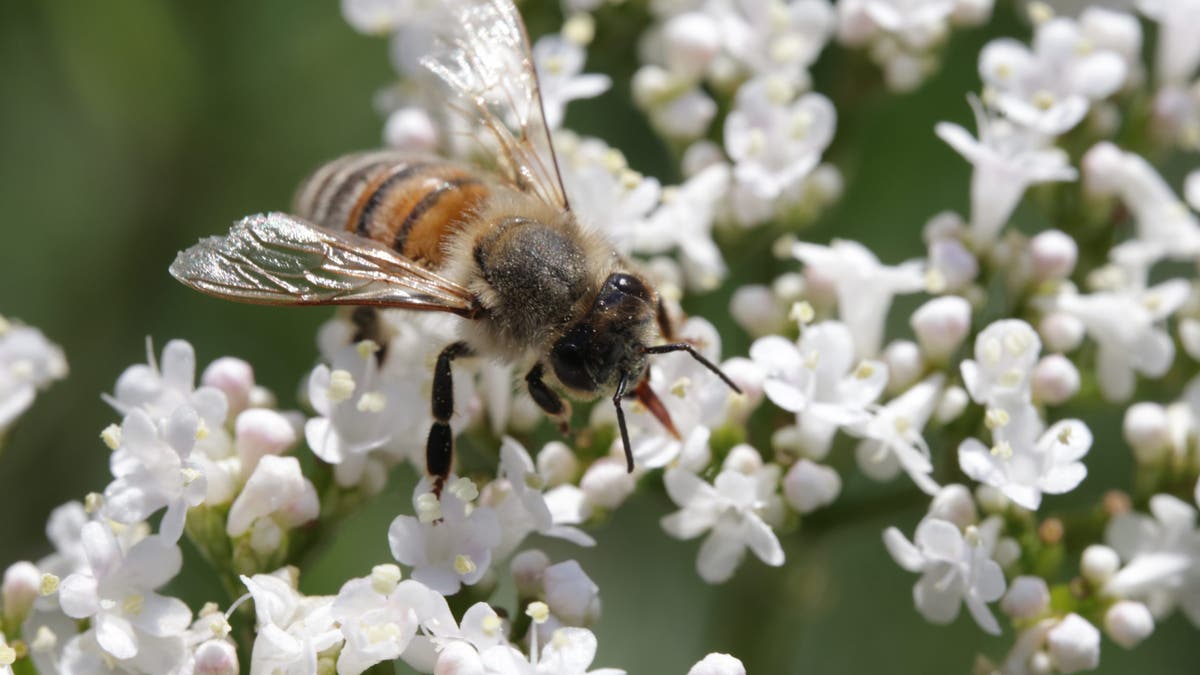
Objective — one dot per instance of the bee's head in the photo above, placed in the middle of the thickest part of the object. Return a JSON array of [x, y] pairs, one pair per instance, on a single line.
[[608, 342]]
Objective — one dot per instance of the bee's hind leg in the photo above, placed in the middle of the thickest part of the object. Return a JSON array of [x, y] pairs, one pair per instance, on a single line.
[[548, 399], [439, 450]]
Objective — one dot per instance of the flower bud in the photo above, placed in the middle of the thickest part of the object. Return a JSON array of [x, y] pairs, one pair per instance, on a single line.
[[259, 432], [718, 664], [1027, 597], [571, 594], [1007, 552], [607, 483], [826, 184], [557, 464], [1053, 255], [1074, 644], [216, 657], [699, 156], [941, 325], [1103, 168], [755, 310], [650, 84], [954, 265], [458, 657], [1055, 380], [691, 40], [952, 404], [527, 568], [954, 503], [1061, 332], [809, 486], [21, 586], [743, 458], [234, 377], [905, 365], [1098, 564], [1147, 431], [1128, 623], [990, 499], [412, 130], [789, 288]]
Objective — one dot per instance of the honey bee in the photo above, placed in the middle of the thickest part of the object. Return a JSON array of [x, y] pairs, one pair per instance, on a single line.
[[499, 247]]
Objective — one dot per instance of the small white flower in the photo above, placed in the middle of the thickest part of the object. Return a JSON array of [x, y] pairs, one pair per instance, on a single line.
[[1178, 50], [1128, 623], [1074, 644], [1162, 557], [718, 664], [1027, 598], [277, 491], [292, 628], [1002, 372], [570, 651], [954, 569], [378, 618], [571, 594], [161, 390], [559, 63], [28, 362], [893, 439], [684, 221], [117, 593], [449, 544], [730, 510], [523, 508], [809, 486], [1005, 160], [864, 287], [918, 24], [781, 38], [1024, 468]]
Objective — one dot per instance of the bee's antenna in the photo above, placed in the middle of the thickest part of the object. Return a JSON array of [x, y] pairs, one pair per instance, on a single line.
[[690, 349], [621, 421]]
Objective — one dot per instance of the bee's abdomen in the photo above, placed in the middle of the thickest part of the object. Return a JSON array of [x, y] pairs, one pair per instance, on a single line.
[[410, 203]]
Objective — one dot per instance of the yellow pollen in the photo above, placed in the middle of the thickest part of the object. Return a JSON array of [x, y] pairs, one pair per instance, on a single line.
[[778, 16], [44, 640], [811, 359], [864, 370], [614, 161], [802, 312], [1040, 12], [1004, 71], [92, 502], [48, 584], [554, 65], [637, 407], [371, 402], [111, 436], [756, 143], [133, 604], [22, 370], [786, 48], [779, 90], [935, 281], [341, 386], [1064, 436], [534, 482], [384, 578], [463, 564], [992, 351], [429, 508], [681, 386], [670, 194], [1084, 46], [801, 124], [219, 626], [1152, 302], [1002, 450], [190, 475], [538, 611], [630, 179], [1043, 100], [996, 418], [8, 655], [1012, 377], [972, 536], [5, 325], [902, 425], [492, 624], [1016, 343], [580, 29], [382, 632], [464, 489], [201, 430], [367, 348]]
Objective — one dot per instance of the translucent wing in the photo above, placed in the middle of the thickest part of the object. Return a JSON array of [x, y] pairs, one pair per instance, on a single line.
[[277, 259], [482, 52]]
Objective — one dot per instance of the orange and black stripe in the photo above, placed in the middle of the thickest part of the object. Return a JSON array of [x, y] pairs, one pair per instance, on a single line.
[[409, 203]]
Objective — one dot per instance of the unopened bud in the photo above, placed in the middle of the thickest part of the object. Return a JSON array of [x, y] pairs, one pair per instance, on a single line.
[[1098, 564], [1055, 380], [1053, 255], [1027, 597], [808, 486], [1147, 431], [1128, 623]]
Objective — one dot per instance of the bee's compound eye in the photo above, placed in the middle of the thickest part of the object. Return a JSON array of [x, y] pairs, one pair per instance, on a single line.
[[568, 361], [628, 285]]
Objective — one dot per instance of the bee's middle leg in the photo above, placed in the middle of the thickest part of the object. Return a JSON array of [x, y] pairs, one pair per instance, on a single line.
[[548, 400], [439, 450]]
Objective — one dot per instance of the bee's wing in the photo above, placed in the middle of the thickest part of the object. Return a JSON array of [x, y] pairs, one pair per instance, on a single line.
[[277, 259], [481, 51]]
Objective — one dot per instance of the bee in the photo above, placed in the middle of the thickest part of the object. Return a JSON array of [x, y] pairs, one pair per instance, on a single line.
[[497, 246]]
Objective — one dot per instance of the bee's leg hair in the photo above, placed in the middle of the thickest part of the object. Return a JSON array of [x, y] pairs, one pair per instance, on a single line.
[[548, 399], [439, 450]]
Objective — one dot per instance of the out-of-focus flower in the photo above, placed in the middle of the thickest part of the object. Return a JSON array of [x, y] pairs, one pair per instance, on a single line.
[[1024, 468], [28, 362], [892, 438], [1162, 557], [559, 64], [1178, 50], [718, 664]]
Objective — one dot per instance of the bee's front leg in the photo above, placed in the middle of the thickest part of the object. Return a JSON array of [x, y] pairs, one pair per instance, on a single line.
[[548, 399], [439, 450]]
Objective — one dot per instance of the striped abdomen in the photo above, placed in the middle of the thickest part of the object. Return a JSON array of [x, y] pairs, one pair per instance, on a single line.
[[410, 203]]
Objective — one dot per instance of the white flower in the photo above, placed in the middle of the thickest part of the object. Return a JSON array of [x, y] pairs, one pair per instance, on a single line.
[[64, 530], [276, 497], [378, 616], [1074, 644], [1162, 557], [941, 325], [605, 193], [28, 362], [571, 594], [445, 646], [1023, 468], [292, 628], [718, 664], [159, 392], [892, 438], [1005, 160], [775, 139], [730, 508], [1027, 597], [559, 63], [117, 593], [83, 655], [954, 569], [1128, 623], [1178, 49], [523, 508], [918, 24], [864, 286], [817, 379], [451, 542], [1048, 89], [1002, 372], [809, 486], [684, 221], [781, 38]]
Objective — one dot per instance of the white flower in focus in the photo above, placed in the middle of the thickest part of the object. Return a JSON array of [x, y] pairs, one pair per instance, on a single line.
[[954, 569], [152, 469], [1162, 557], [523, 508], [445, 646], [292, 628], [1049, 89], [892, 438], [818, 380], [571, 594], [28, 362], [117, 593], [1005, 161], [559, 63], [730, 510], [1178, 49], [378, 616], [775, 139], [160, 390], [277, 497], [864, 286], [1023, 468], [83, 655], [451, 540]]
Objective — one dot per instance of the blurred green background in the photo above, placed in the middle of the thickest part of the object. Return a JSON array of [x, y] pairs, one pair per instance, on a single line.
[[130, 129]]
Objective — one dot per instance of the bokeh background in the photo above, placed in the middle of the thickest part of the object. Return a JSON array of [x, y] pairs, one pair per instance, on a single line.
[[130, 129]]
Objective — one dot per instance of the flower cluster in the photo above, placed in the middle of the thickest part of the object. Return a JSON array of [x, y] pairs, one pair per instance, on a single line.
[[972, 396]]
